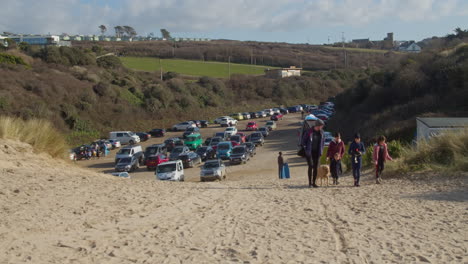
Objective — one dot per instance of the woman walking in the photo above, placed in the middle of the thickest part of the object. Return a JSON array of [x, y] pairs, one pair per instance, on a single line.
[[313, 142]]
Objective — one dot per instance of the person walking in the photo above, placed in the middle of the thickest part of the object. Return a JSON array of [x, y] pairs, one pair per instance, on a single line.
[[380, 156], [313, 142], [280, 165], [335, 153], [356, 150]]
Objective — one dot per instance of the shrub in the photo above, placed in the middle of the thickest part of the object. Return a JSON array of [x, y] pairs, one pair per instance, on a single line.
[[11, 59], [40, 134], [109, 62]]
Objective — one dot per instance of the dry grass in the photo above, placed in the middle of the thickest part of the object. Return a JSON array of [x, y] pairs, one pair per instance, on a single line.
[[40, 134], [447, 151]]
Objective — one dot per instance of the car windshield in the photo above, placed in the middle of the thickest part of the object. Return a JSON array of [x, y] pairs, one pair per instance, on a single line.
[[124, 151], [211, 165], [256, 135], [248, 144], [190, 139], [190, 129], [153, 158], [177, 150], [230, 129], [125, 160], [223, 146], [202, 149], [215, 141], [251, 124], [151, 150], [164, 168], [183, 157], [269, 123], [238, 151], [235, 138], [263, 129]]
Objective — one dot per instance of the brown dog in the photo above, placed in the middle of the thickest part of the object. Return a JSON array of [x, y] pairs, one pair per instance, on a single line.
[[323, 173]]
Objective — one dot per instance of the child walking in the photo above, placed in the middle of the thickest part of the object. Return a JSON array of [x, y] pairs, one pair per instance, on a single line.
[[356, 150], [335, 153], [380, 157], [335, 168]]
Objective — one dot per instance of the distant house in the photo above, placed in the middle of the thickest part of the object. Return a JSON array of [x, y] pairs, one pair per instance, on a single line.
[[283, 73], [38, 40], [428, 127], [409, 46]]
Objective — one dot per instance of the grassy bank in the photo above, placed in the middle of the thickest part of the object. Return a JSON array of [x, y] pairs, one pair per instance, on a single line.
[[40, 134], [191, 67]]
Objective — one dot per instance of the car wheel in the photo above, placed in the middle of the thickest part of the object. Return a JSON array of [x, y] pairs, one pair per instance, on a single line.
[[202, 180], [182, 178], [131, 142]]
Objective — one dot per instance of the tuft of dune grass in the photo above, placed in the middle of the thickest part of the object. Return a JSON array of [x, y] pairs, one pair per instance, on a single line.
[[40, 134]]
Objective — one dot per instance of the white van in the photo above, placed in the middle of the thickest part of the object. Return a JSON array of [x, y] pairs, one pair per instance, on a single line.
[[125, 137], [171, 171]]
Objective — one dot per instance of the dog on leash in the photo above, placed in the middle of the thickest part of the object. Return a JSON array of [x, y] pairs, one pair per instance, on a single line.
[[323, 173]]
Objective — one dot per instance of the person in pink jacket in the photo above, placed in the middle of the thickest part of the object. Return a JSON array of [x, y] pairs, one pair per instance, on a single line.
[[380, 157]]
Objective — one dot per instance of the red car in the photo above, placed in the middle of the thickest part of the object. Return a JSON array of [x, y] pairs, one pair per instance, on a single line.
[[252, 126], [243, 136], [235, 143], [153, 161], [276, 117]]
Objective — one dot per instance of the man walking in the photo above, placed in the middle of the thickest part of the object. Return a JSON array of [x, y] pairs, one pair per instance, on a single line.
[[280, 165], [313, 142]]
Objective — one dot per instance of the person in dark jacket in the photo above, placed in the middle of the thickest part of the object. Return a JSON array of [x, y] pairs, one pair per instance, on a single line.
[[313, 142], [335, 153], [280, 164], [356, 150]]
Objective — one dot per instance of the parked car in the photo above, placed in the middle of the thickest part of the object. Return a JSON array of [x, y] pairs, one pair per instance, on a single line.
[[190, 131], [271, 125], [213, 170], [284, 111], [260, 114], [256, 138], [322, 116], [265, 131], [235, 143], [196, 122], [194, 141], [204, 123], [183, 126], [237, 139], [155, 149], [157, 132], [276, 117], [239, 155], [143, 136], [243, 136], [253, 115], [178, 150], [230, 131], [328, 140], [190, 159], [227, 122], [125, 137], [221, 135], [246, 116], [292, 109], [171, 143], [269, 112], [250, 148], [153, 161], [131, 151], [207, 141], [219, 119], [127, 164], [172, 171], [223, 150], [215, 141], [252, 126], [276, 111], [205, 152], [115, 143], [237, 116]]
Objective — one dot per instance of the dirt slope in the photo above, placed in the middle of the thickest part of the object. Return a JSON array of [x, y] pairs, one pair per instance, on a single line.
[[55, 212]]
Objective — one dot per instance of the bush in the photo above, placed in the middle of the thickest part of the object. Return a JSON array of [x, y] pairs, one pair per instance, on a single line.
[[40, 134], [10, 59], [109, 62]]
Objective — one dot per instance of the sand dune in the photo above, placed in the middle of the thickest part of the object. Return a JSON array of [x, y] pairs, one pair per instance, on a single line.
[[56, 212]]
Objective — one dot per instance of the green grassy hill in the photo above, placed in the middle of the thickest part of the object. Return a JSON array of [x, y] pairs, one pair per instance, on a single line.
[[190, 67]]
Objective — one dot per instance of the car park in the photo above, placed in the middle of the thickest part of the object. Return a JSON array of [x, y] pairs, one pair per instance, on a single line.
[[230, 131], [213, 170], [206, 152], [171, 170], [190, 159], [183, 126], [190, 131], [130, 151], [223, 150], [127, 164], [178, 150], [276, 117], [115, 143], [256, 138], [250, 148], [125, 137], [194, 141], [251, 126], [153, 161], [239, 155], [265, 131], [157, 132], [143, 136], [271, 125], [171, 143], [155, 149]]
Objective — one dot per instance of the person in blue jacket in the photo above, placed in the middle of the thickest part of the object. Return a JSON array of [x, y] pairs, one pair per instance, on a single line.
[[356, 150], [313, 142]]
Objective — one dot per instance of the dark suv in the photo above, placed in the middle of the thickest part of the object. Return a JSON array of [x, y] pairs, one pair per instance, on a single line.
[[178, 150], [189, 131], [157, 132], [206, 152], [239, 155], [256, 138], [190, 159], [171, 143], [155, 150], [250, 148]]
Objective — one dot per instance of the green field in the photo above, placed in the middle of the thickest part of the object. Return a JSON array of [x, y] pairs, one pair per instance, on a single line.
[[190, 67]]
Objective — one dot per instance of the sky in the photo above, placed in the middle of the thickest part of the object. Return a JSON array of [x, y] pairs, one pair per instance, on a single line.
[[293, 21]]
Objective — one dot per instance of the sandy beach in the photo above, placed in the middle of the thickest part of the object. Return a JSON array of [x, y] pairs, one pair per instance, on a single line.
[[57, 212]]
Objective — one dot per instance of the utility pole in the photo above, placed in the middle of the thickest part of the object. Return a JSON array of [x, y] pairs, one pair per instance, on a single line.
[[160, 68], [344, 50], [173, 49], [229, 67]]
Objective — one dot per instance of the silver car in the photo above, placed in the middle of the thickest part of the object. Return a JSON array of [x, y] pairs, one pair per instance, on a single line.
[[213, 170]]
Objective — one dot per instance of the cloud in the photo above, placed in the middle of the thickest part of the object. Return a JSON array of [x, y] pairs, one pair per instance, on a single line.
[[84, 16]]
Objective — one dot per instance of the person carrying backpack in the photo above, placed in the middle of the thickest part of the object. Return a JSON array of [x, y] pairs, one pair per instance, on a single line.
[[356, 150], [380, 156]]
